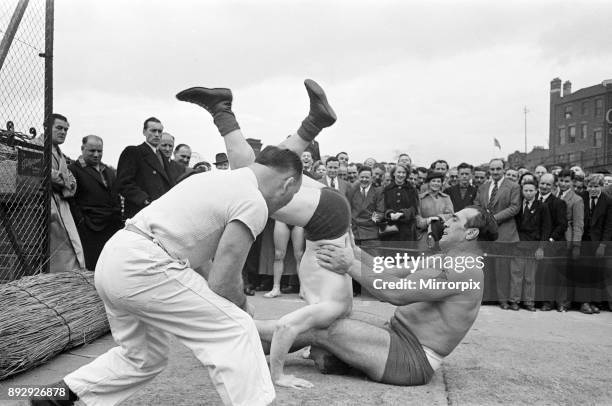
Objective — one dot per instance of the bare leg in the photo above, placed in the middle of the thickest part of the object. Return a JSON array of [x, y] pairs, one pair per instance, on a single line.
[[360, 344], [239, 152], [281, 239], [287, 329], [297, 239]]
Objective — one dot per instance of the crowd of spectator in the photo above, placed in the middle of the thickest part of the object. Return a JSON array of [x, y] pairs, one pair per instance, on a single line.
[[555, 224]]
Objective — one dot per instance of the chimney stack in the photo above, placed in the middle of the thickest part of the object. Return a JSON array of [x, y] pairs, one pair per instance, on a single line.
[[555, 87], [567, 88]]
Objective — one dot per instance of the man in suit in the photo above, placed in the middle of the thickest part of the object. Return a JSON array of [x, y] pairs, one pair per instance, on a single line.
[[462, 194], [367, 207], [533, 224], [573, 237], [166, 146], [555, 245], [366, 203], [331, 177], [96, 208], [596, 239], [502, 198], [142, 171]]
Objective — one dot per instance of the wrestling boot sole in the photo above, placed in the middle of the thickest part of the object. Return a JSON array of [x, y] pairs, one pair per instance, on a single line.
[[210, 99], [321, 112]]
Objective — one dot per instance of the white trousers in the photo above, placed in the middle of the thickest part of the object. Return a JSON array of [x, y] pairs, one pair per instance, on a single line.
[[148, 294]]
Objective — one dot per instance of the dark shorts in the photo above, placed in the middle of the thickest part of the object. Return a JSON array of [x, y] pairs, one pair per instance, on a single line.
[[331, 218], [407, 364]]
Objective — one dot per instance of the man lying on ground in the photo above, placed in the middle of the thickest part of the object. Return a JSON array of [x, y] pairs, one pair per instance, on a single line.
[[436, 306]]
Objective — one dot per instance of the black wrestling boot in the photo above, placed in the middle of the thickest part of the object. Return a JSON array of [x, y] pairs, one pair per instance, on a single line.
[[321, 114], [217, 101], [59, 400], [327, 363]]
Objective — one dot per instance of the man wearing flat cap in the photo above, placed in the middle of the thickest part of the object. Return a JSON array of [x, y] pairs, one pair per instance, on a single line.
[[221, 162]]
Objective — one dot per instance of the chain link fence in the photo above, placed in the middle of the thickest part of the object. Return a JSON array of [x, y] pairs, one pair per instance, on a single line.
[[24, 162]]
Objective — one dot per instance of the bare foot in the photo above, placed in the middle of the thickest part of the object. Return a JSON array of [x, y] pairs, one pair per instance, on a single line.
[[273, 293], [290, 381]]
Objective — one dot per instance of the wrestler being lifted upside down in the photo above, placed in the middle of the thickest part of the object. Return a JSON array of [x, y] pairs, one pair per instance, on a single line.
[[323, 213]]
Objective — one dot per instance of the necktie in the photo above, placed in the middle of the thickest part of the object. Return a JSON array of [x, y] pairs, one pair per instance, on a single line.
[[493, 193], [363, 193], [159, 157], [333, 182], [541, 198], [525, 207], [593, 203]]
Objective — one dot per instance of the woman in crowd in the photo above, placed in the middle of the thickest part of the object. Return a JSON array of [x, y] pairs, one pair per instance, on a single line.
[[282, 233], [401, 205], [432, 204]]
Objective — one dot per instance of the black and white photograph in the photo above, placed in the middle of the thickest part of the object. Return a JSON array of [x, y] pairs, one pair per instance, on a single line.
[[305, 202]]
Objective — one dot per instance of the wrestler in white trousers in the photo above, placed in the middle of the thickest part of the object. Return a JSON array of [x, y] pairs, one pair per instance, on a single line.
[[148, 295]]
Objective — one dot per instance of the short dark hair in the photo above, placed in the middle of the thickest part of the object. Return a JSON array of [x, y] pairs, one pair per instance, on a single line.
[[280, 158], [150, 120], [530, 182], [464, 165], [484, 222], [179, 146], [364, 169], [565, 173], [379, 166], [57, 116], [480, 169], [439, 161], [525, 174], [422, 169], [342, 152], [332, 159]]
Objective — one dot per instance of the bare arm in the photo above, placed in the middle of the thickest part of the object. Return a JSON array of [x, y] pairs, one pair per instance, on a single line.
[[225, 277], [383, 284]]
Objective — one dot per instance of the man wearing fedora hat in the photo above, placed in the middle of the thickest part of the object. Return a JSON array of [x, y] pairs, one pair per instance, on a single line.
[[221, 162]]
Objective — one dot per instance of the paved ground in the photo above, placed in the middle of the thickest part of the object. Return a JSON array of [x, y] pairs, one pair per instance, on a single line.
[[513, 358]]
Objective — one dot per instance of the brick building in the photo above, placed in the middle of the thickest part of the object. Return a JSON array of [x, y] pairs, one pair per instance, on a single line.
[[580, 126], [529, 160]]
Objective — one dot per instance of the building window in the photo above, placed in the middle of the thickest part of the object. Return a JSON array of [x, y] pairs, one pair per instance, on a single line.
[[583, 132], [597, 138], [584, 109], [561, 136], [572, 135], [568, 112], [573, 157], [598, 107]]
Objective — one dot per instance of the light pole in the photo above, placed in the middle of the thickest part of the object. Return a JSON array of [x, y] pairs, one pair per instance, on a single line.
[[525, 111]]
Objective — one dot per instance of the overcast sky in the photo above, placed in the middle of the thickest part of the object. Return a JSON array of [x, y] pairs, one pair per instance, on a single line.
[[433, 79]]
